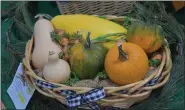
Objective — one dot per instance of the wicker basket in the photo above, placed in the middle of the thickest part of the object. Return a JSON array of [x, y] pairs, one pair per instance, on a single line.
[[117, 8], [122, 96], [135, 92]]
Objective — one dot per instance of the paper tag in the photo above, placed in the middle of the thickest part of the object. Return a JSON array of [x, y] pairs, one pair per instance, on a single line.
[[20, 91]]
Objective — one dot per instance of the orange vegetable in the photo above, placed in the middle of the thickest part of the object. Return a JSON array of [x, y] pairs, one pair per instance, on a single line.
[[148, 37], [126, 63], [64, 41]]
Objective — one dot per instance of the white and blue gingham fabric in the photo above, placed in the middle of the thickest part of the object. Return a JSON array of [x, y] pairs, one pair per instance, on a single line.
[[87, 98], [67, 92], [152, 82], [74, 100], [45, 84]]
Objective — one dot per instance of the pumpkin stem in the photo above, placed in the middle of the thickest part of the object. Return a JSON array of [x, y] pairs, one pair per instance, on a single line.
[[88, 41], [122, 54]]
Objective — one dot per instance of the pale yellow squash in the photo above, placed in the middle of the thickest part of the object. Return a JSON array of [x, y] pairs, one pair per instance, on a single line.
[[87, 23], [43, 43]]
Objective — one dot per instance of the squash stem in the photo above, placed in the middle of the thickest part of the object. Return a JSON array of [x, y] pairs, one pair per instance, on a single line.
[[51, 52], [122, 55], [52, 57], [88, 41]]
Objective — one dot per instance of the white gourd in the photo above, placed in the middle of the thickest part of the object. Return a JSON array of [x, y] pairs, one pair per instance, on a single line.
[[56, 70], [43, 43]]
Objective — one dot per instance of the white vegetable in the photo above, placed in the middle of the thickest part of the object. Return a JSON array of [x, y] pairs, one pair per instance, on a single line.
[[56, 70], [43, 43]]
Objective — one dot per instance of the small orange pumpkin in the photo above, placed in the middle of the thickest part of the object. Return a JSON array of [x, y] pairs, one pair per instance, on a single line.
[[126, 63]]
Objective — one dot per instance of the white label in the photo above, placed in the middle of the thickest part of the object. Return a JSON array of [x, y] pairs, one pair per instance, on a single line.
[[20, 91]]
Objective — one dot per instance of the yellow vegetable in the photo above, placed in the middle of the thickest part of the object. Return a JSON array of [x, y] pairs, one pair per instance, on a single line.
[[87, 23]]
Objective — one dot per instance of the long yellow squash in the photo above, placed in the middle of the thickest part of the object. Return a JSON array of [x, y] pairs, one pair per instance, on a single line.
[[78, 22]]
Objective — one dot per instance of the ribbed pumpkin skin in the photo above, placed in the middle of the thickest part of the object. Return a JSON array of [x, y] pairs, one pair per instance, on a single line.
[[97, 26], [86, 63], [132, 70], [149, 37]]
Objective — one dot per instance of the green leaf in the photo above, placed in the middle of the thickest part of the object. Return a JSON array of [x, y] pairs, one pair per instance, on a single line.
[[61, 55], [155, 62], [72, 80], [107, 37], [75, 35], [102, 75], [127, 21], [103, 17], [55, 37]]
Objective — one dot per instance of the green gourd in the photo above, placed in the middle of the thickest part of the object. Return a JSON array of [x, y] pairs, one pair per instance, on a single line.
[[87, 59]]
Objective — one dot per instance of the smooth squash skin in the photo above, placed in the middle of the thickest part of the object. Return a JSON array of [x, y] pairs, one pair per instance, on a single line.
[[87, 62], [56, 70], [149, 37], [43, 43], [127, 67], [78, 22]]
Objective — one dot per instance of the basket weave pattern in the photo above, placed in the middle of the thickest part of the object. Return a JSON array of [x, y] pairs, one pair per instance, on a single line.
[[135, 92], [117, 8]]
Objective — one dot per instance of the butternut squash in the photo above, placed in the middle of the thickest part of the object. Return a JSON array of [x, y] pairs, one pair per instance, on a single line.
[[56, 70], [43, 43]]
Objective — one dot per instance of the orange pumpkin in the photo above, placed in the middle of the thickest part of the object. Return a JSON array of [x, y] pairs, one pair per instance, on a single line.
[[126, 63], [148, 37]]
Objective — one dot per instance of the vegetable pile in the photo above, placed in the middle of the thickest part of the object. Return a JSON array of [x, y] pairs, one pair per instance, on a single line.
[[73, 48]]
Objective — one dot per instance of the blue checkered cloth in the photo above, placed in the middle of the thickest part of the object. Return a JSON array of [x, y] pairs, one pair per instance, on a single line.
[[67, 92], [74, 99], [45, 84], [152, 82], [86, 98]]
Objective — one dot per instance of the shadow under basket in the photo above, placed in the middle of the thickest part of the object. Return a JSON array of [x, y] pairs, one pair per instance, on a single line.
[[121, 96]]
